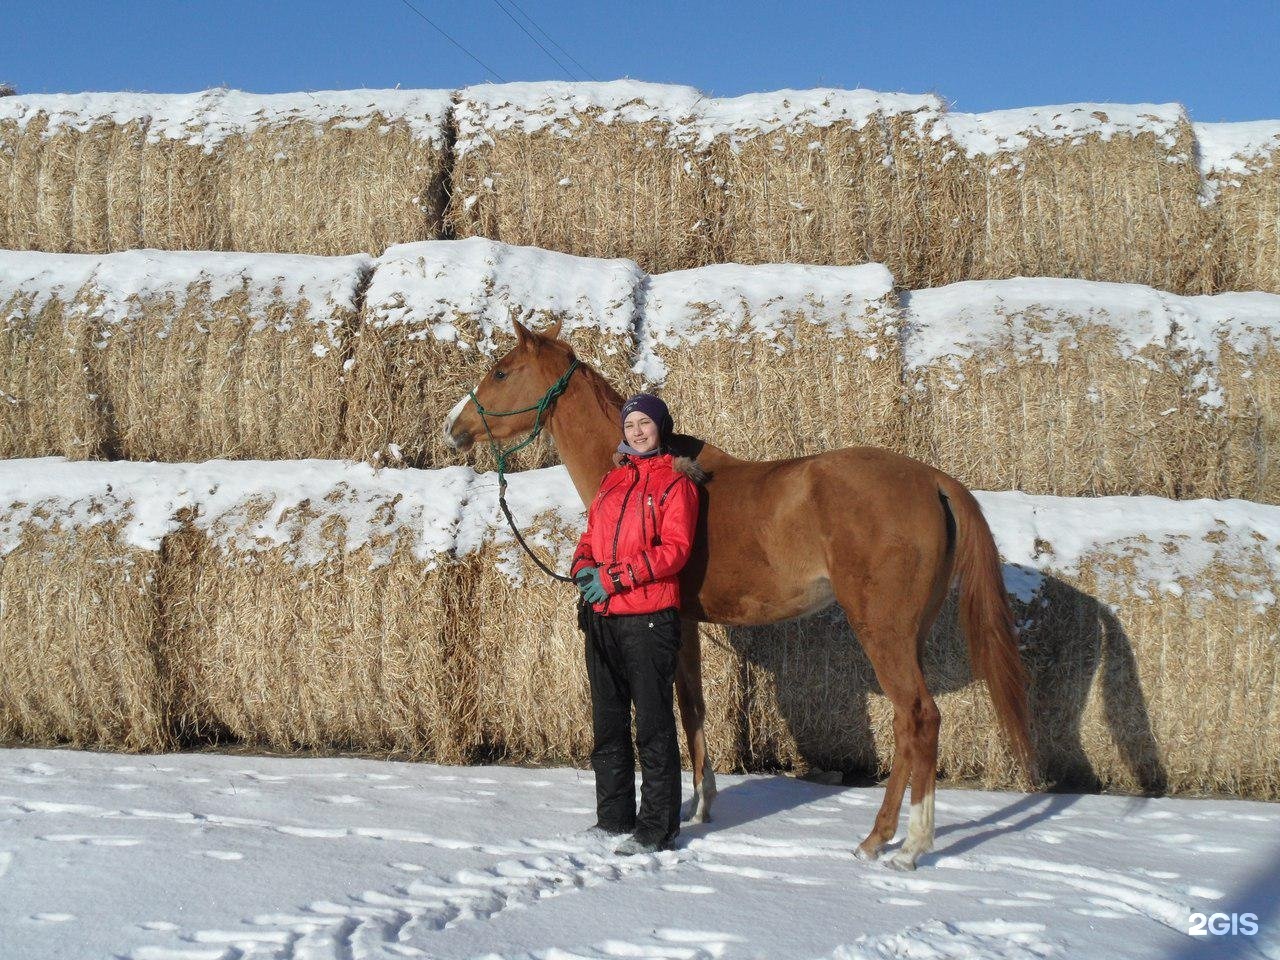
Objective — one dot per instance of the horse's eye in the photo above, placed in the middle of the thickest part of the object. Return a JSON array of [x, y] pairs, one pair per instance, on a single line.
[[499, 374]]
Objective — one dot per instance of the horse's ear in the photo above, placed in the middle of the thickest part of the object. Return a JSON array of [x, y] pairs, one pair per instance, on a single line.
[[523, 336], [553, 332]]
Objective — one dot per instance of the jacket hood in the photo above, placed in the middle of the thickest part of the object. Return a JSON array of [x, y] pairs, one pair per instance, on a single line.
[[686, 465]]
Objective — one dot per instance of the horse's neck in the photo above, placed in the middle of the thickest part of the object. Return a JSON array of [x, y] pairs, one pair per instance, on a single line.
[[586, 436]]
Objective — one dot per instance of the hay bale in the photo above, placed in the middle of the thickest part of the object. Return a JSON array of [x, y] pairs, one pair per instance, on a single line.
[[438, 313], [332, 172], [45, 407], [182, 205], [725, 342], [1065, 387], [315, 604], [199, 355], [73, 171], [1149, 629], [1093, 191], [808, 176], [79, 607], [1243, 329], [597, 169], [1240, 163]]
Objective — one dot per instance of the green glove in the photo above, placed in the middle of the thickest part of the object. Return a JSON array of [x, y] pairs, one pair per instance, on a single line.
[[589, 585]]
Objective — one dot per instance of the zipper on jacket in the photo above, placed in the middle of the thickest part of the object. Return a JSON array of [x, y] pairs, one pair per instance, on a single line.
[[622, 512]]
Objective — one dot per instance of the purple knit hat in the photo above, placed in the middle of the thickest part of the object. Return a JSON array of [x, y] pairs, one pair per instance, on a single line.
[[653, 408]]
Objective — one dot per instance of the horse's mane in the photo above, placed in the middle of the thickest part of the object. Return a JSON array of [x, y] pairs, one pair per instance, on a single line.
[[603, 391]]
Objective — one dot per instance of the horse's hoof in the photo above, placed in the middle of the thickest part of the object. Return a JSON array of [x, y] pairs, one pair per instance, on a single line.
[[901, 861], [865, 855]]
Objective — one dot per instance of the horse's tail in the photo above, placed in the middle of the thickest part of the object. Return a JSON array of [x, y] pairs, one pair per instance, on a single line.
[[988, 620]]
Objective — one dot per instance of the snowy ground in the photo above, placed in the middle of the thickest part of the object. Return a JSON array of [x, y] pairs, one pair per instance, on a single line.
[[229, 857]]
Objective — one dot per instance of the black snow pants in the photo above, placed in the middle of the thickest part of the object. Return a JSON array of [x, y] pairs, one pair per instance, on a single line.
[[631, 658]]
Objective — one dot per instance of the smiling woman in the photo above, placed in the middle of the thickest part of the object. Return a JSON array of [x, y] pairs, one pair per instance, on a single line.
[[639, 534]]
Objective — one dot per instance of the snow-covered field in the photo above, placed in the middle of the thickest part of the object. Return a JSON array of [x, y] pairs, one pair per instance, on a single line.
[[213, 856]]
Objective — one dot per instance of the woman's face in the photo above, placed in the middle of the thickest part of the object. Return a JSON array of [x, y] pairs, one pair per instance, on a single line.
[[640, 431]]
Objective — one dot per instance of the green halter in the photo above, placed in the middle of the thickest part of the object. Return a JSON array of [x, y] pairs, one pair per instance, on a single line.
[[501, 455]]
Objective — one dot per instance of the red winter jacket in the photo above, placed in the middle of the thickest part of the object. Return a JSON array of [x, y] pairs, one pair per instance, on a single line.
[[640, 529]]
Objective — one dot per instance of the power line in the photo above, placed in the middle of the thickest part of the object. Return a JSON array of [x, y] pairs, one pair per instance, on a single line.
[[510, 17], [487, 68], [551, 39]]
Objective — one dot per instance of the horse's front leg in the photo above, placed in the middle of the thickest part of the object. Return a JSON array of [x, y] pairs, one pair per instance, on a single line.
[[693, 711]]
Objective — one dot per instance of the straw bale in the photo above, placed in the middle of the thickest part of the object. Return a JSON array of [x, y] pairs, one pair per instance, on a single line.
[[1065, 387], [809, 176], [21, 136], [1245, 330], [1094, 191], [438, 313], [1240, 163], [315, 604], [200, 355], [777, 361], [334, 172], [45, 402], [597, 169], [78, 614]]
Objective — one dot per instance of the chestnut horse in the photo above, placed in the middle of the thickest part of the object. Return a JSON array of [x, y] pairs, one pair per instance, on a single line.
[[879, 533]]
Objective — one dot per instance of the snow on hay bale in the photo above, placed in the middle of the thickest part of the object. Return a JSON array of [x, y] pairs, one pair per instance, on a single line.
[[725, 342], [79, 608], [439, 313], [598, 169], [318, 604], [1240, 163], [1072, 387], [331, 172], [1245, 328], [810, 176], [1095, 191], [199, 355], [321, 172], [1149, 628], [43, 407]]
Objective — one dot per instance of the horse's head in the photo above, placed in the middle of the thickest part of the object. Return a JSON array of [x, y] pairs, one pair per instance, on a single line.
[[519, 379]]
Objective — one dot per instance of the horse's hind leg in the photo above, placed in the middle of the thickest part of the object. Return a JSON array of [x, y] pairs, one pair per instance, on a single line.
[[893, 644], [693, 712]]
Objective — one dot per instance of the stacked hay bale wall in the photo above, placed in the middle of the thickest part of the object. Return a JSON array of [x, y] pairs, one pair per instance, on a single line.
[[809, 176], [43, 409], [1074, 388], [1093, 191], [1149, 629], [150, 355], [777, 361], [329, 172], [438, 314], [597, 169], [79, 607], [321, 604], [1240, 163]]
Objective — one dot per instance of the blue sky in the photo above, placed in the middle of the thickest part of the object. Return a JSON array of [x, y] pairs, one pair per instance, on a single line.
[[1217, 58]]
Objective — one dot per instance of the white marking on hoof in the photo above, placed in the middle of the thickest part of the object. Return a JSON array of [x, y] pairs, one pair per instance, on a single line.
[[902, 860], [919, 835], [865, 855]]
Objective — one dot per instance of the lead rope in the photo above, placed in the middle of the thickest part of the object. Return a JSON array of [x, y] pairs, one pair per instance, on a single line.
[[501, 455]]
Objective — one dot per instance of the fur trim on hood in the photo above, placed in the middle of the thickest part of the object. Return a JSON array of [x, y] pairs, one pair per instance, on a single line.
[[686, 465]]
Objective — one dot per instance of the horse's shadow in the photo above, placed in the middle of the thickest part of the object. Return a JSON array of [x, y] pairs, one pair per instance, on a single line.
[[806, 702]]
